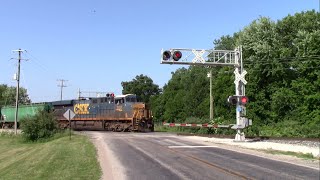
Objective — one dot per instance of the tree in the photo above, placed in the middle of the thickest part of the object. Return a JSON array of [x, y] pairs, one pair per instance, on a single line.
[[142, 86], [282, 60], [42, 125], [185, 95], [8, 95]]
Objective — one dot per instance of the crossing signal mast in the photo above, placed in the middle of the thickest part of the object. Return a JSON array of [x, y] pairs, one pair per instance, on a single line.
[[213, 58]]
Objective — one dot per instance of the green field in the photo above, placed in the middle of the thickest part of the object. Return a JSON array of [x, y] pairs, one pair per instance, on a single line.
[[59, 158]]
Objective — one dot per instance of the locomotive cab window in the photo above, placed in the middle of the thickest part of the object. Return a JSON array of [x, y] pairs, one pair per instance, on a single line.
[[120, 101], [131, 99]]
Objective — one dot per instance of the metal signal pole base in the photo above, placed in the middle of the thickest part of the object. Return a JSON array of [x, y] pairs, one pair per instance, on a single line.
[[240, 137]]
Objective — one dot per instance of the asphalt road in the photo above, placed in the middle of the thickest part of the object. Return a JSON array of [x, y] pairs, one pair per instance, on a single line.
[[167, 156]]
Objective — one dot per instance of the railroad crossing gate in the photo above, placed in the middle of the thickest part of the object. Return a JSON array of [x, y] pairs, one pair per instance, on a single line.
[[212, 58]]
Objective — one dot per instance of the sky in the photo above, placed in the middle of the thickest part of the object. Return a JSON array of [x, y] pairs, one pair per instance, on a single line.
[[97, 44]]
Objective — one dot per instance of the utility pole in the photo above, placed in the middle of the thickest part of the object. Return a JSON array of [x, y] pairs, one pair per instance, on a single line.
[[211, 97], [17, 91], [79, 94], [61, 85]]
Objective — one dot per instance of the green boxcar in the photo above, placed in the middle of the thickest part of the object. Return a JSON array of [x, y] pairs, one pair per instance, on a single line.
[[8, 112]]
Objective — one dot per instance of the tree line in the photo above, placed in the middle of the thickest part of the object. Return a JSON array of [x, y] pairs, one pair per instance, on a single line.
[[8, 95], [282, 59]]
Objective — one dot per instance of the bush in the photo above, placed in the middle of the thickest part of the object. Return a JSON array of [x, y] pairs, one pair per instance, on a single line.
[[42, 125]]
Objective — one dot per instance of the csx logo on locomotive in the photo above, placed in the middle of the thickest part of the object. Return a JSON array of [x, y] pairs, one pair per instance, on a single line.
[[81, 108]]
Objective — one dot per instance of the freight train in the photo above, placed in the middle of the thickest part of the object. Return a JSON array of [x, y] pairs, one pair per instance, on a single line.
[[113, 113]]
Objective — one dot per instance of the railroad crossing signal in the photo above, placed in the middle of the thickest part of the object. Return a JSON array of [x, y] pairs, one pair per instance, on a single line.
[[201, 57], [110, 94], [240, 102], [213, 58], [234, 100], [167, 55]]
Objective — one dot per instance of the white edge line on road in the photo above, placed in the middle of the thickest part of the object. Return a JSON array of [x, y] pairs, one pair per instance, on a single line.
[[190, 146]]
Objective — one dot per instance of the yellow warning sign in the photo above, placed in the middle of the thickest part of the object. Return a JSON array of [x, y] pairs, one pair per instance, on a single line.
[[81, 108]]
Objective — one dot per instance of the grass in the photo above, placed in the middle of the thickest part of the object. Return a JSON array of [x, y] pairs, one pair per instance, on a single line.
[[290, 153], [59, 158]]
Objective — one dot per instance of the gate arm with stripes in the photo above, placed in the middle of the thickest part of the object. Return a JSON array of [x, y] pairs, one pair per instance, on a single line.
[[196, 125], [244, 122]]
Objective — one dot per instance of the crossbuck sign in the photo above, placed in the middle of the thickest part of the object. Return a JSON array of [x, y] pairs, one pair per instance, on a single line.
[[240, 77]]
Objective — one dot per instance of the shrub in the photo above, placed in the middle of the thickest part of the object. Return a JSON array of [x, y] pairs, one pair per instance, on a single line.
[[42, 125]]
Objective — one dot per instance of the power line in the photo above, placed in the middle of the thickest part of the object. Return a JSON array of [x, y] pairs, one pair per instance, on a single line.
[[42, 67], [283, 63], [61, 85], [255, 59], [290, 68], [301, 60]]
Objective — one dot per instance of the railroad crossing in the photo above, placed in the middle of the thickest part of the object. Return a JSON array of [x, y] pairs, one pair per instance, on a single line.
[[213, 58]]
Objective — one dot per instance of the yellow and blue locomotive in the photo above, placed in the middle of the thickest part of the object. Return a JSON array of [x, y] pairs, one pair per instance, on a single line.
[[114, 113]]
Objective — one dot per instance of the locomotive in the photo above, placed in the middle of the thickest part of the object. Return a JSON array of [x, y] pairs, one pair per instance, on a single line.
[[112, 113]]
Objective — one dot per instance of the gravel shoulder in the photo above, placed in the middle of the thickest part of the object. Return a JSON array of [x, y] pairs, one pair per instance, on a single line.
[[110, 166]]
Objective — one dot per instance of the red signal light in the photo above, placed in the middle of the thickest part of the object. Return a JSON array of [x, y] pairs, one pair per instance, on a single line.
[[177, 55], [238, 99], [244, 100]]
